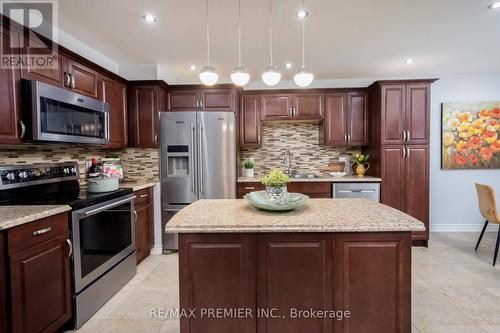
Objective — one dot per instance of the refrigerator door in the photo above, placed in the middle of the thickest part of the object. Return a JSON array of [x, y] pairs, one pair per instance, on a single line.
[[216, 155], [178, 157]]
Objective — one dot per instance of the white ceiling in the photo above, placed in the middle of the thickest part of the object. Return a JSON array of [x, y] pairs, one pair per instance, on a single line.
[[345, 39]]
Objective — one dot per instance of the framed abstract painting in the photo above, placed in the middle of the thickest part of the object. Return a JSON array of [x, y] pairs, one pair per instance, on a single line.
[[470, 135]]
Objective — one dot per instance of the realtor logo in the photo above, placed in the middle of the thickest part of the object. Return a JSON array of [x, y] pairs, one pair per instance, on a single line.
[[32, 34]]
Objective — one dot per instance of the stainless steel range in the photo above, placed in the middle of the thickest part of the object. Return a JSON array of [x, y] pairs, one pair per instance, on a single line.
[[102, 228]]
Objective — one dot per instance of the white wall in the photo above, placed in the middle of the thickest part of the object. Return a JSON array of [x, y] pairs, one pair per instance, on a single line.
[[453, 201]]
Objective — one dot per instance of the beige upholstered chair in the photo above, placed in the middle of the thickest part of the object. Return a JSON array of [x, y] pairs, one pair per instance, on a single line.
[[488, 208]]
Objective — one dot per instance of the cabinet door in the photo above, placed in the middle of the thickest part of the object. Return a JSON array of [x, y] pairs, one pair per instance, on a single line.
[[54, 76], [294, 271], [357, 118], [3, 286], [10, 111], [372, 282], [276, 106], [417, 112], [334, 125], [143, 231], [115, 93], [393, 113], [393, 175], [218, 100], [214, 271], [144, 116], [417, 186], [250, 121], [41, 287], [308, 106], [184, 100], [84, 79]]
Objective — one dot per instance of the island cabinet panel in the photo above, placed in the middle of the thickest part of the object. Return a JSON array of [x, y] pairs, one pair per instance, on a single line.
[[372, 273], [250, 125], [217, 271], [294, 272]]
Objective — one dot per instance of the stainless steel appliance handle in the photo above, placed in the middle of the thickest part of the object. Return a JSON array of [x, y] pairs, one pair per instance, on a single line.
[[70, 247], [191, 156], [103, 208], [23, 129], [200, 156], [356, 191], [135, 216], [41, 231], [106, 124], [171, 210]]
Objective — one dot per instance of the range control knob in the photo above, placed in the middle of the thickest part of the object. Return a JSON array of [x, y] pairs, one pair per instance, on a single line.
[[23, 175], [11, 176]]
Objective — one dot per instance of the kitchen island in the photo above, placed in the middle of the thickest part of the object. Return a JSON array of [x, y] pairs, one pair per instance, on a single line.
[[333, 265]]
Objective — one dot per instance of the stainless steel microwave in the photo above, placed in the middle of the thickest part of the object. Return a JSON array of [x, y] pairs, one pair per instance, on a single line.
[[58, 115]]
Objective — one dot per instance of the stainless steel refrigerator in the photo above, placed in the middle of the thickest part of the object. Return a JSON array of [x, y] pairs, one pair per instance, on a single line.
[[197, 161]]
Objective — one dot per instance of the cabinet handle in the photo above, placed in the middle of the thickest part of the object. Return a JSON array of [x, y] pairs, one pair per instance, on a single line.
[[143, 195], [23, 129], [156, 138], [73, 83], [407, 135], [135, 216], [404, 152], [201, 103], [67, 79], [348, 137], [407, 152], [345, 138], [249, 188], [42, 231], [197, 104], [70, 245], [404, 136]]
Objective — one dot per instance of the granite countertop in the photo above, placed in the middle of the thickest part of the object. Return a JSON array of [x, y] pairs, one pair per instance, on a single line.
[[345, 179], [13, 216], [317, 215], [137, 185]]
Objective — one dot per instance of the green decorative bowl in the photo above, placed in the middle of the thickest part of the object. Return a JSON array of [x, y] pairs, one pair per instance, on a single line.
[[258, 199]]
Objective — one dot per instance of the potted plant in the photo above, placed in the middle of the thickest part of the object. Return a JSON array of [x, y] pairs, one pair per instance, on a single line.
[[276, 190], [248, 166], [362, 164]]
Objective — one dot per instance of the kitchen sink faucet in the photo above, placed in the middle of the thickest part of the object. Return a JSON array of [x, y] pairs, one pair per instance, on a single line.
[[287, 159]]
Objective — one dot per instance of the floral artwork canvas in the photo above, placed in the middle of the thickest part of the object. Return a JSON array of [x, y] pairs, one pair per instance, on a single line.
[[471, 135]]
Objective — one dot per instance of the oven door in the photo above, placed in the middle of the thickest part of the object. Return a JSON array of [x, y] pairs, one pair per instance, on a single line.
[[103, 235]]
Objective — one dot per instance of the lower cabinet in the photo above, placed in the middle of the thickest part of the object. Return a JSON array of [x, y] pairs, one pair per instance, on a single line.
[[312, 189], [144, 230], [40, 277], [3, 286], [360, 281]]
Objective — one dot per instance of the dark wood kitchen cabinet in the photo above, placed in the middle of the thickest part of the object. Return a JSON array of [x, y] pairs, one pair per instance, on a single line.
[[115, 93], [201, 99], [4, 323], [40, 277], [144, 228], [11, 125], [83, 79], [292, 106], [145, 100], [346, 119], [312, 189], [250, 125]]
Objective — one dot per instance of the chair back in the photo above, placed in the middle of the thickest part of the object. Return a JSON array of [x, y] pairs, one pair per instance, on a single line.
[[487, 203]]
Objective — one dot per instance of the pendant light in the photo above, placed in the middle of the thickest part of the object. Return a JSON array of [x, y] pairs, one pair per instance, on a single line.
[[271, 75], [303, 78], [208, 74], [240, 76]]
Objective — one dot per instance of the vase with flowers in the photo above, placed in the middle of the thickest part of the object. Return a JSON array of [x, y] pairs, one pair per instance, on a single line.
[[276, 187], [362, 164]]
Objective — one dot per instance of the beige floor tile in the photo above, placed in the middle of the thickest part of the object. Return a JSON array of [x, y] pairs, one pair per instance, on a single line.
[[491, 328], [452, 329], [121, 326], [170, 326]]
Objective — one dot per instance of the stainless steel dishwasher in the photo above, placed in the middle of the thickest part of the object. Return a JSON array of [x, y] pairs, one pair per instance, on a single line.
[[356, 190]]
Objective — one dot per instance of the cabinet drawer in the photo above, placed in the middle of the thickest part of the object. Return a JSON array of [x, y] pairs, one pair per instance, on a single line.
[[244, 188], [143, 197], [37, 232], [312, 189]]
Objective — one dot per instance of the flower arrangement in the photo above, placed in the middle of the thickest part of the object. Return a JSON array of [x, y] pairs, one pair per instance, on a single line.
[[361, 159], [275, 178], [248, 164], [471, 139]]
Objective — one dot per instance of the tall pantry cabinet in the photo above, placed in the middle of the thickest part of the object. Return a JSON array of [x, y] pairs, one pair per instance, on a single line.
[[399, 146]]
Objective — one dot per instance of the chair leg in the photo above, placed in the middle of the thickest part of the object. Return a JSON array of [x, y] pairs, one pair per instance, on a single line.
[[482, 234], [496, 247]]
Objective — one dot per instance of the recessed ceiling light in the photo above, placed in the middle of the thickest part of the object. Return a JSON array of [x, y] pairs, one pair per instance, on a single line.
[[149, 18], [288, 65], [409, 61], [495, 5], [192, 67], [302, 13]]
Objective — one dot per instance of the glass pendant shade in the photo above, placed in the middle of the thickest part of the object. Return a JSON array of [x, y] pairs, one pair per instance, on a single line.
[[209, 76], [271, 76], [303, 78], [240, 76]]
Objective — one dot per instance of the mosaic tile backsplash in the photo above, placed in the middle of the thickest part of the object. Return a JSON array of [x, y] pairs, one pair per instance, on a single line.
[[138, 163], [301, 139]]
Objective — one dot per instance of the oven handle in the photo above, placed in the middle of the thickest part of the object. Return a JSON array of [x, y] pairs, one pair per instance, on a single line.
[[106, 207]]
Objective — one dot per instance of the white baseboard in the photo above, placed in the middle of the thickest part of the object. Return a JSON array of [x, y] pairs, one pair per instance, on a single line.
[[157, 249], [462, 227]]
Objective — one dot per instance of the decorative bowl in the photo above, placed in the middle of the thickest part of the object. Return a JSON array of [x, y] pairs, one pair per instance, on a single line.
[[258, 199], [337, 174]]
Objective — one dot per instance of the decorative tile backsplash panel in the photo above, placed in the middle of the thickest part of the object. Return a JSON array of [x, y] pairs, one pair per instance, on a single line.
[[138, 163], [301, 139]]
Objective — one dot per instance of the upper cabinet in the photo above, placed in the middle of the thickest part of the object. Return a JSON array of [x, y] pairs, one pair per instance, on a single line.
[[405, 113], [115, 94], [82, 79], [250, 120], [345, 121], [286, 106], [146, 100], [213, 99]]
